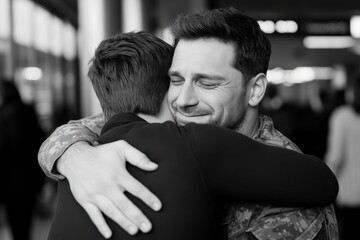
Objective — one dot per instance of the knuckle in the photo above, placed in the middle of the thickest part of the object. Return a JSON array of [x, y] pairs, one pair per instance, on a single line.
[[122, 205], [139, 191], [101, 202], [123, 180], [138, 217], [119, 218], [84, 198], [102, 206]]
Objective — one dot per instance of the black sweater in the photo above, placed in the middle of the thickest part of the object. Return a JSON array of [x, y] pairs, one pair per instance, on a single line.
[[200, 167]]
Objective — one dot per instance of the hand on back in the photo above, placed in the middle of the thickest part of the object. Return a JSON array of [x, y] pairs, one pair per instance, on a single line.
[[98, 179]]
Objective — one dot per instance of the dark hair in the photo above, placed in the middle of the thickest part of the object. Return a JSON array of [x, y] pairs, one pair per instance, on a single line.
[[356, 89], [252, 46], [129, 73]]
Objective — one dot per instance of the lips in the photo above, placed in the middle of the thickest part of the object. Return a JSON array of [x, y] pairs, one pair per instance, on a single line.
[[191, 115], [183, 119]]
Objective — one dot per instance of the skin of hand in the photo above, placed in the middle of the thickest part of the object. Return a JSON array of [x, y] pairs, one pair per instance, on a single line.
[[98, 179]]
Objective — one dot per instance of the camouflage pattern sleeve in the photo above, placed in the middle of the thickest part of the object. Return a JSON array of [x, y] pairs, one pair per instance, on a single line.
[[251, 221], [86, 129]]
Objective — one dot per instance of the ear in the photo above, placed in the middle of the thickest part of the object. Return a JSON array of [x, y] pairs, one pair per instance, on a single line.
[[257, 87]]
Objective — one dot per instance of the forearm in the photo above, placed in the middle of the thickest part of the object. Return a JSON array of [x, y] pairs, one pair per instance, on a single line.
[[242, 169], [296, 181], [62, 138]]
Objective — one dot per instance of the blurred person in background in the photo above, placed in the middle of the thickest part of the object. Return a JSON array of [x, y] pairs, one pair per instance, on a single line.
[[343, 157], [223, 88], [20, 176]]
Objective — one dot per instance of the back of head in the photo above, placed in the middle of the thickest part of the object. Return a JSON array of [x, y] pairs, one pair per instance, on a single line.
[[252, 46], [129, 73]]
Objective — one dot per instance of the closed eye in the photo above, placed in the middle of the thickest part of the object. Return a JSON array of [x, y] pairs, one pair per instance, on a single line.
[[207, 84], [176, 81]]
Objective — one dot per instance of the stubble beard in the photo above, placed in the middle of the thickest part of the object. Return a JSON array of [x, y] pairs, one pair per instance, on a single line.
[[238, 124]]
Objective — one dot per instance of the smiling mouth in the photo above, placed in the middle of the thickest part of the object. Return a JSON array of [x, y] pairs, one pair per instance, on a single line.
[[184, 119], [191, 115]]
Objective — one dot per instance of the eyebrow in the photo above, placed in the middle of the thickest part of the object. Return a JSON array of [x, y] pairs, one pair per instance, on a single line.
[[209, 76], [199, 75], [173, 73]]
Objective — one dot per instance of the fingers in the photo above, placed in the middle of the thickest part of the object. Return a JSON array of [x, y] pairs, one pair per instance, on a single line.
[[110, 210], [132, 212], [126, 181], [100, 186], [133, 186], [135, 157], [120, 209], [98, 219]]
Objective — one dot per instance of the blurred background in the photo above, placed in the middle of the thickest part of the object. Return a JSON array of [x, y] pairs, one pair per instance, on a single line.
[[45, 47]]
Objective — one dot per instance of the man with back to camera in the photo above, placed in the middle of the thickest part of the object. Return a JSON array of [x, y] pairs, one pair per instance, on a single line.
[[222, 87]]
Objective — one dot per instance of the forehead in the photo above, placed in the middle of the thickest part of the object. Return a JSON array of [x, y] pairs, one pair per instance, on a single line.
[[204, 54]]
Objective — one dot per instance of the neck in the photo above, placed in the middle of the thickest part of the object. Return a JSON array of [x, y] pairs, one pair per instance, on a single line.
[[163, 116], [250, 123], [150, 118]]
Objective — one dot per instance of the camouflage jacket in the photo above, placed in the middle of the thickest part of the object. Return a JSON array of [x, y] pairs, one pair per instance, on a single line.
[[244, 221], [241, 221]]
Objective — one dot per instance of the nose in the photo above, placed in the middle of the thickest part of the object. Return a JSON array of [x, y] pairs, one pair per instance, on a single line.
[[187, 97]]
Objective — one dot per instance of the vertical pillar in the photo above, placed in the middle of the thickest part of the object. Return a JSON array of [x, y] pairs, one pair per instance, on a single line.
[[9, 63], [91, 32], [98, 19]]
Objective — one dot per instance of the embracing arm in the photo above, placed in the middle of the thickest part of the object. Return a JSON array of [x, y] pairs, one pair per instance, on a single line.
[[239, 167], [53, 148]]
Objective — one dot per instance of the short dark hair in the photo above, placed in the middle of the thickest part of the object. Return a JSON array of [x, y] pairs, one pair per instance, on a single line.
[[253, 48], [129, 73]]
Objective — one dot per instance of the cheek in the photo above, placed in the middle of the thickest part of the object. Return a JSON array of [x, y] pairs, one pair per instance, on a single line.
[[173, 94], [216, 103], [232, 105]]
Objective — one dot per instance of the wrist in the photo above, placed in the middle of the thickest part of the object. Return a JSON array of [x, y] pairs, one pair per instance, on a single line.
[[64, 165]]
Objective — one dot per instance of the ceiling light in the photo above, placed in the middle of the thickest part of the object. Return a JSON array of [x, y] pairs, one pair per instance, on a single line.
[[32, 73], [355, 26], [267, 26], [299, 75], [287, 26], [327, 42]]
